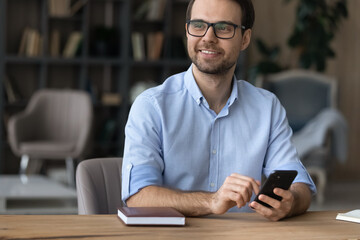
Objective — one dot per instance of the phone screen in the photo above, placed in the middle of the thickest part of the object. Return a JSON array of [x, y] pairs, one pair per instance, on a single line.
[[278, 179]]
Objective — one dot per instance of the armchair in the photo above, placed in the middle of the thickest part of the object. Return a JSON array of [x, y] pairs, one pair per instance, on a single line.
[[56, 124], [320, 130]]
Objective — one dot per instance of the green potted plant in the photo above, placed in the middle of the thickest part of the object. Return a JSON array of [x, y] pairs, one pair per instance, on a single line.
[[268, 64], [315, 26]]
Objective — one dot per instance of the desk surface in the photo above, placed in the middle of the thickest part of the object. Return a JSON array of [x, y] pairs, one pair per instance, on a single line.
[[312, 225]]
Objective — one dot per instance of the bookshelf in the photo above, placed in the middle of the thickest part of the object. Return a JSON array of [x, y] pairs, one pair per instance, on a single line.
[[104, 64]]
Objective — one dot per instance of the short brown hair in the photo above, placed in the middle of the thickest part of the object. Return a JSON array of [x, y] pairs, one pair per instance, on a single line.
[[248, 12]]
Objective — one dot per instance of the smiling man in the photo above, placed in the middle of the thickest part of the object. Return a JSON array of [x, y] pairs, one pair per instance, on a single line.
[[201, 141]]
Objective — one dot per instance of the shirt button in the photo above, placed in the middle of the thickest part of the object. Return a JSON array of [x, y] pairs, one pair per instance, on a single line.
[[212, 184], [128, 166], [214, 151]]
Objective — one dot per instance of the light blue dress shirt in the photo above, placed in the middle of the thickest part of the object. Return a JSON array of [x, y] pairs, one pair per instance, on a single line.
[[174, 140]]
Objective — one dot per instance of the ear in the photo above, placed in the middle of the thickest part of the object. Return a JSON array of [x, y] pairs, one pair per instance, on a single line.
[[186, 33], [246, 39]]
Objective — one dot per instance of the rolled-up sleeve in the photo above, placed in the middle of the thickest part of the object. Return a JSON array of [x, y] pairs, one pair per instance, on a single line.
[[142, 163], [281, 153]]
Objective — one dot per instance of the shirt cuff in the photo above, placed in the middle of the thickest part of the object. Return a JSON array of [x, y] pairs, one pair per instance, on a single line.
[[302, 176], [137, 177]]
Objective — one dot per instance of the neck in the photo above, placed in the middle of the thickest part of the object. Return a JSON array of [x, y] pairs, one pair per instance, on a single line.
[[216, 88]]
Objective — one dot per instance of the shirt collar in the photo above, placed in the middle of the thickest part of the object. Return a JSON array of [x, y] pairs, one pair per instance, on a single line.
[[234, 92], [195, 92]]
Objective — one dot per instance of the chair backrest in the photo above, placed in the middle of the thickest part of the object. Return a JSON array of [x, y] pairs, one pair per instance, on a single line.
[[60, 114], [303, 94], [98, 183]]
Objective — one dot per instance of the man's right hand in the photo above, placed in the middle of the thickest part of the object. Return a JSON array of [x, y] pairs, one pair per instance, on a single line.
[[236, 191]]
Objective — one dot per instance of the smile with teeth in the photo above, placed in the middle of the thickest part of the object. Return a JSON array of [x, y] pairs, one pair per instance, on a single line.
[[208, 52]]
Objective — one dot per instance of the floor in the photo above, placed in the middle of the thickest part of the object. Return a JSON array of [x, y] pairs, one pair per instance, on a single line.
[[340, 195]]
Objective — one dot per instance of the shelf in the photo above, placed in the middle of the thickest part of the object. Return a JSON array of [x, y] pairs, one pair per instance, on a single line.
[[98, 74], [105, 61], [21, 59], [160, 63], [60, 60], [69, 18]]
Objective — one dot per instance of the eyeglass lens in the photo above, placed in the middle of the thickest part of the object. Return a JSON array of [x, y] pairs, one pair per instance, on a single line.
[[222, 29]]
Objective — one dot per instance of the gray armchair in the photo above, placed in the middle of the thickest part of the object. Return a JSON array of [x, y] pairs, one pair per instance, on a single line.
[[309, 99], [56, 124], [98, 184]]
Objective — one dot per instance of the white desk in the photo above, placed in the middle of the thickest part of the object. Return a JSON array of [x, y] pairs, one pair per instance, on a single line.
[[35, 195]]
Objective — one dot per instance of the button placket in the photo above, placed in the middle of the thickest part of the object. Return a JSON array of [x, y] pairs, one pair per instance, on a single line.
[[214, 156]]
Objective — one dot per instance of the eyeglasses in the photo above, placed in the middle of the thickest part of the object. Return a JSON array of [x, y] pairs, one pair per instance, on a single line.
[[222, 30]]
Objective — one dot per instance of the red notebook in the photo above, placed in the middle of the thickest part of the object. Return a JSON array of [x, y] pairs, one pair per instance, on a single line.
[[150, 216]]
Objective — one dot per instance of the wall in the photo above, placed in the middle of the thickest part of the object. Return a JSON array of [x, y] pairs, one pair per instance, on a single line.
[[274, 22]]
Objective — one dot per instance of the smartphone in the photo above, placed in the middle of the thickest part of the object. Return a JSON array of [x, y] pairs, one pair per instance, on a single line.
[[278, 179]]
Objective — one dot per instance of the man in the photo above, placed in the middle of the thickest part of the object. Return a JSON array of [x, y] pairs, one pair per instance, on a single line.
[[201, 141]]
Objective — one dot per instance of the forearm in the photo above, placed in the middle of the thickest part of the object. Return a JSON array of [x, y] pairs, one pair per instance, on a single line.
[[188, 203], [302, 198]]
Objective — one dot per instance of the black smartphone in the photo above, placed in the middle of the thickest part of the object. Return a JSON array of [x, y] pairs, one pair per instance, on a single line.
[[278, 179]]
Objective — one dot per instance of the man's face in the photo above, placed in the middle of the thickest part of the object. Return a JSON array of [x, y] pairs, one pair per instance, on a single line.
[[208, 53]]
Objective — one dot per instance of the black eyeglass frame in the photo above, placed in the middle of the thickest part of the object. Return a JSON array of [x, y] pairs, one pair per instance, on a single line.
[[213, 24]]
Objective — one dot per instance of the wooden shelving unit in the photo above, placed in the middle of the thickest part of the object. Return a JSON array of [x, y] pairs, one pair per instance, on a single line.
[[114, 71]]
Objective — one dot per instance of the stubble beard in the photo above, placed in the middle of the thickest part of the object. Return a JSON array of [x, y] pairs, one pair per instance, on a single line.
[[212, 68]]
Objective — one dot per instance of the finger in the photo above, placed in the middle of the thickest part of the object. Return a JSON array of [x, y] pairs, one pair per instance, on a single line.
[[241, 185], [285, 194], [236, 198], [242, 193], [258, 188], [271, 201], [255, 185], [261, 209]]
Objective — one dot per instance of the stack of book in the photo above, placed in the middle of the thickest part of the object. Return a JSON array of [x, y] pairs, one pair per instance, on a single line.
[[153, 42], [31, 42]]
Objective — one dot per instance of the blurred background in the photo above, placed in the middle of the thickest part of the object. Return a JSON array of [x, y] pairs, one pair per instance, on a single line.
[[96, 56]]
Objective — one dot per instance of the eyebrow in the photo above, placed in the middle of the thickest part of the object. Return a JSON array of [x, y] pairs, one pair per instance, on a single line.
[[215, 22]]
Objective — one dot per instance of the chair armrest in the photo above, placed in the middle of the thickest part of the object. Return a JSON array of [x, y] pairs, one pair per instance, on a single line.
[[19, 130]]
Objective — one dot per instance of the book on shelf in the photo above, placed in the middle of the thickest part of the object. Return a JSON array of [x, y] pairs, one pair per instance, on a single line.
[[77, 6], [138, 46], [151, 216], [72, 44], [156, 10], [11, 90], [111, 99], [59, 8], [155, 42], [23, 41], [55, 43], [31, 43], [352, 216]]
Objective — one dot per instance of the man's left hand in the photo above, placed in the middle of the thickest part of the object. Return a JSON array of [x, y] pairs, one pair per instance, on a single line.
[[280, 209]]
